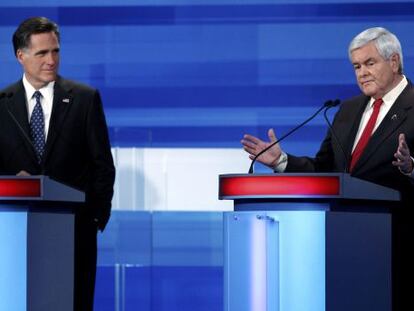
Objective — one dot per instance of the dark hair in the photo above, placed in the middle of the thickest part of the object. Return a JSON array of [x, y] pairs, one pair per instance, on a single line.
[[33, 25]]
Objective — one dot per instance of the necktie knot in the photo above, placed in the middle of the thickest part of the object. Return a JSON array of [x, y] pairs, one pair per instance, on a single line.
[[37, 96], [377, 103]]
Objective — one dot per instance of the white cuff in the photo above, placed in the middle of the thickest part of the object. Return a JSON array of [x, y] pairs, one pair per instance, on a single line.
[[281, 164]]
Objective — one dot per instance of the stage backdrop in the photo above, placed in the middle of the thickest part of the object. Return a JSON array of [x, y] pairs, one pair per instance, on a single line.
[[183, 80]]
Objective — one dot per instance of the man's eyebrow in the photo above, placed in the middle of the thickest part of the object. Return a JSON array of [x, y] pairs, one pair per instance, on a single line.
[[364, 62], [44, 51], [369, 60], [41, 52]]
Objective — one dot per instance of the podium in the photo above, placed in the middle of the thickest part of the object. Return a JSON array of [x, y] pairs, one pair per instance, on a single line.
[[307, 242], [36, 243]]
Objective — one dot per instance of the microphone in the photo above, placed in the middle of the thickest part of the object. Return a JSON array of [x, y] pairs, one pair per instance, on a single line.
[[27, 138], [328, 104], [336, 137], [8, 95]]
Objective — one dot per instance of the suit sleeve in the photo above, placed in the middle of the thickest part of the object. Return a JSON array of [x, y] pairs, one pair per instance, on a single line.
[[322, 162], [100, 192]]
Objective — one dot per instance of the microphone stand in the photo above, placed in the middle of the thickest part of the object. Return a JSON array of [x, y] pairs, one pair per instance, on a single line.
[[327, 104]]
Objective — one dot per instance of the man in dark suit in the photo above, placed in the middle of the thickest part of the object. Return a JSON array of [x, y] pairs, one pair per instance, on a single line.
[[374, 131], [56, 127]]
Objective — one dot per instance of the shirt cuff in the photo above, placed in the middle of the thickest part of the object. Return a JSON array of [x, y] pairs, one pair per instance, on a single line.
[[281, 164]]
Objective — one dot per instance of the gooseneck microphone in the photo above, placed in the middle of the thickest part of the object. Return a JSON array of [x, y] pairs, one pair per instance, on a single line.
[[8, 95], [346, 160], [328, 104]]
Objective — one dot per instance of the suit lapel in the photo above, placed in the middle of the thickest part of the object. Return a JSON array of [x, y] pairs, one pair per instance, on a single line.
[[391, 122], [17, 107], [354, 117], [62, 100]]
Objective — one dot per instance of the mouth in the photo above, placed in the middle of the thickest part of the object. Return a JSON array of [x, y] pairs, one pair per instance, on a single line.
[[363, 83]]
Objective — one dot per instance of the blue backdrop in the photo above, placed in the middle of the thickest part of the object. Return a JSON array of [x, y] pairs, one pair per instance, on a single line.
[[180, 73], [199, 73]]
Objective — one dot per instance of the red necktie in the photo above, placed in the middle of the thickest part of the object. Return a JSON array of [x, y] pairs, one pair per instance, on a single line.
[[366, 134]]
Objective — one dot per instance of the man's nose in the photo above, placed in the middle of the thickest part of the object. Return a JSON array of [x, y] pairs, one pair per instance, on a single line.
[[51, 59], [363, 71]]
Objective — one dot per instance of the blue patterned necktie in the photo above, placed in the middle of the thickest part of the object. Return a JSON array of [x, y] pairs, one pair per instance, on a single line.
[[37, 127]]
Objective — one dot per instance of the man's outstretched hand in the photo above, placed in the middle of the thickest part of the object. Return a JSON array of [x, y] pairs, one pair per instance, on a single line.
[[254, 145]]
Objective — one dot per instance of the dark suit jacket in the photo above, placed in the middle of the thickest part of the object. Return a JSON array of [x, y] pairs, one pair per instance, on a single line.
[[77, 150], [375, 162]]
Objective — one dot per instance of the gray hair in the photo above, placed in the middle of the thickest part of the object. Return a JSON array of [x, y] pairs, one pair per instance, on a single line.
[[386, 43]]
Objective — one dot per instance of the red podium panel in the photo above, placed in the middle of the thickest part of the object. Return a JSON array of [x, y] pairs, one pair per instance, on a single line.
[[294, 185], [274, 185], [37, 188], [20, 188]]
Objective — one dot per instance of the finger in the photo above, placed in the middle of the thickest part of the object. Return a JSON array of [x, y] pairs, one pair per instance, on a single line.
[[400, 164], [397, 163], [248, 144], [402, 142], [251, 138], [399, 156], [404, 152], [251, 151], [399, 160], [403, 149], [403, 166], [401, 137], [403, 145], [271, 134], [22, 173]]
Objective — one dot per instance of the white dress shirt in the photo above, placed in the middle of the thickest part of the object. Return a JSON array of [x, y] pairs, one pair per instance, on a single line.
[[46, 101], [388, 101]]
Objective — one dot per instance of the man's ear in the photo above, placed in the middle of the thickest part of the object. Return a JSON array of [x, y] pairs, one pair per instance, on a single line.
[[20, 56], [395, 62]]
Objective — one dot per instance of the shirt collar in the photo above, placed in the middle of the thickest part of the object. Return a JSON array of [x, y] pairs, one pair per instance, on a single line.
[[30, 90], [392, 95]]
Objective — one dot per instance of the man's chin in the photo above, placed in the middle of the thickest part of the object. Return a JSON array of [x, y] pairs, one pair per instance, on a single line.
[[368, 91], [49, 78]]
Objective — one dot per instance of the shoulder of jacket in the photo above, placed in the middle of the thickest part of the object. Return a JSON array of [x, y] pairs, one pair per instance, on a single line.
[[71, 85]]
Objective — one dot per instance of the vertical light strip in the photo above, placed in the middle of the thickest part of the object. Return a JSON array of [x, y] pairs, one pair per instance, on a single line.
[[13, 259], [258, 265]]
